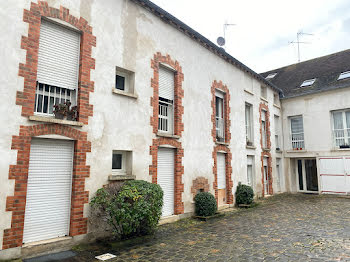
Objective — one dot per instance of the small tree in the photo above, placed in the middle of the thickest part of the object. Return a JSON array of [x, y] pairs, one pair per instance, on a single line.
[[244, 194]]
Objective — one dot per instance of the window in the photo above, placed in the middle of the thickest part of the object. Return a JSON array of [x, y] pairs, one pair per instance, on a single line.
[[219, 116], [344, 75], [263, 91], [276, 99], [341, 128], [297, 132], [58, 67], [249, 124], [270, 76], [121, 162], [264, 128], [277, 132], [166, 100], [279, 174], [250, 166], [308, 82], [124, 80]]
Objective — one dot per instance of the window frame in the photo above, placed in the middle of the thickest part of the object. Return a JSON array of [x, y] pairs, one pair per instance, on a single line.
[[220, 95], [123, 162], [250, 182], [345, 129], [263, 92], [277, 125], [264, 128], [249, 126], [291, 132]]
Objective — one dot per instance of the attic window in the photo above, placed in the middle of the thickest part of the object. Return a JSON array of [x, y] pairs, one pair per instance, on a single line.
[[308, 82], [270, 76], [344, 75]]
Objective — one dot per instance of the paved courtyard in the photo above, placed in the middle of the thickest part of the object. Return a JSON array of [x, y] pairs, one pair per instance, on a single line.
[[282, 228]]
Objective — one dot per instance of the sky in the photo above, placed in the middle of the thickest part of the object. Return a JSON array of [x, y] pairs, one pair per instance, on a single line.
[[264, 29]]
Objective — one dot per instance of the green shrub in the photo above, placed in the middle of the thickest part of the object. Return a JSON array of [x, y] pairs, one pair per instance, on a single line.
[[205, 204], [244, 194], [132, 209]]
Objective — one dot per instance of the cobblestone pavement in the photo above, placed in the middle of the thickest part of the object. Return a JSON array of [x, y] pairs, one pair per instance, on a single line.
[[282, 228]]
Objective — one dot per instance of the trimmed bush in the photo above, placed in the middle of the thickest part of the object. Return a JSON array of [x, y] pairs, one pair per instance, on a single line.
[[244, 194], [132, 209], [205, 204]]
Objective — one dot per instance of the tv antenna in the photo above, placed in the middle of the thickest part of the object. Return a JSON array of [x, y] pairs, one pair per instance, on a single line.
[[298, 42], [222, 40]]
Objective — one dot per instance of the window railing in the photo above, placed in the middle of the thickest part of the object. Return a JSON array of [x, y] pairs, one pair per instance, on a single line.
[[47, 96], [220, 129], [342, 137], [165, 117], [298, 141]]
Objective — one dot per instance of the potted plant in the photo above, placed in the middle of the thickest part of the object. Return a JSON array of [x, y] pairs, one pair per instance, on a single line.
[[72, 114], [60, 110], [344, 146]]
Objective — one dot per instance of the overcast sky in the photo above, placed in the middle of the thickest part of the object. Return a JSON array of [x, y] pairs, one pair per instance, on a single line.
[[264, 27]]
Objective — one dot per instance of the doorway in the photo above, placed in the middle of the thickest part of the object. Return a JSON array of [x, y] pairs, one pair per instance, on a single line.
[[307, 175]]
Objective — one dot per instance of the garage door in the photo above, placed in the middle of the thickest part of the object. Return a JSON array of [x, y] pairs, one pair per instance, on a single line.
[[49, 190], [335, 175], [166, 167]]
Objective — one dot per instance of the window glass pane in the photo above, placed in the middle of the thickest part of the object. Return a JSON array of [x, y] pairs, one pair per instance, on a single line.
[[338, 120], [300, 175], [120, 82], [218, 106], [117, 161], [347, 115], [297, 125]]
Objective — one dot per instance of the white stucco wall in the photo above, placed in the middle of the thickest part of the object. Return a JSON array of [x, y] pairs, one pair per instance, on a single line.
[[317, 119], [128, 36]]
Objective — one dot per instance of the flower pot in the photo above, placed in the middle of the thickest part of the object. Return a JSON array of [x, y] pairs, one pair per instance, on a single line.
[[59, 115]]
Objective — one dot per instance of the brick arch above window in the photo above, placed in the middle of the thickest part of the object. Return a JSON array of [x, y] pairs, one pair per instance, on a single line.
[[158, 59], [30, 43], [227, 110], [13, 237]]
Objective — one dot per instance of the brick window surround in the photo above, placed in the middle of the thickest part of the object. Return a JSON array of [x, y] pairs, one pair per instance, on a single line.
[[228, 156], [179, 169], [220, 86], [178, 92], [229, 183], [30, 43], [13, 236], [266, 151]]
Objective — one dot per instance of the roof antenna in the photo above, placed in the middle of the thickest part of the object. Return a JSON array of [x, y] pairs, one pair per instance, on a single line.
[[222, 40], [299, 34]]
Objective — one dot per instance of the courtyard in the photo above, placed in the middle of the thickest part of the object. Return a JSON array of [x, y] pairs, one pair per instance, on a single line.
[[284, 227]]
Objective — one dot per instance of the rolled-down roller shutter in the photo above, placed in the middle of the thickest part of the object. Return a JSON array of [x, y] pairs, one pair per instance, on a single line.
[[58, 59], [166, 83], [221, 169], [47, 212], [165, 177]]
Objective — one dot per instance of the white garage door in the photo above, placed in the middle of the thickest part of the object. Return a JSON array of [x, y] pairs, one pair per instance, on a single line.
[[49, 190], [221, 171], [335, 175], [166, 168]]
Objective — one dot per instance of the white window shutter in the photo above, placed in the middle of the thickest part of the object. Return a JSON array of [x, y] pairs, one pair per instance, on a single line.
[[221, 171], [166, 83], [58, 59]]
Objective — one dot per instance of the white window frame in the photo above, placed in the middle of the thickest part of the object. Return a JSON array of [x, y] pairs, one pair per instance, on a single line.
[[277, 132], [249, 128], [345, 129], [344, 75], [300, 142], [250, 181], [270, 76], [308, 82], [126, 81], [220, 120], [123, 169], [264, 128], [279, 174], [263, 92]]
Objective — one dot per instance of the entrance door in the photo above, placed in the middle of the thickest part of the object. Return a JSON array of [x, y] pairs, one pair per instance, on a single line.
[[48, 202], [166, 168], [221, 177], [307, 175], [335, 175]]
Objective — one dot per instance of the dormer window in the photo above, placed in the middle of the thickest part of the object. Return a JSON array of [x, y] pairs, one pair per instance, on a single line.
[[270, 76], [308, 82], [344, 75]]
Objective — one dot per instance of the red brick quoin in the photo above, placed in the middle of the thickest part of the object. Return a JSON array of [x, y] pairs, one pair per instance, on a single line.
[[199, 184], [178, 92], [179, 169], [228, 156], [78, 224], [267, 153], [30, 43]]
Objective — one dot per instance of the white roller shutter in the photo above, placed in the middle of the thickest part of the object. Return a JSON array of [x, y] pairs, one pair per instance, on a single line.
[[334, 175], [47, 212], [221, 169], [58, 61], [166, 168], [166, 83]]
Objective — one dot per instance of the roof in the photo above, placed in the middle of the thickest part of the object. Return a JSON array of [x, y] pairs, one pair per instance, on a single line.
[[170, 19], [325, 70]]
